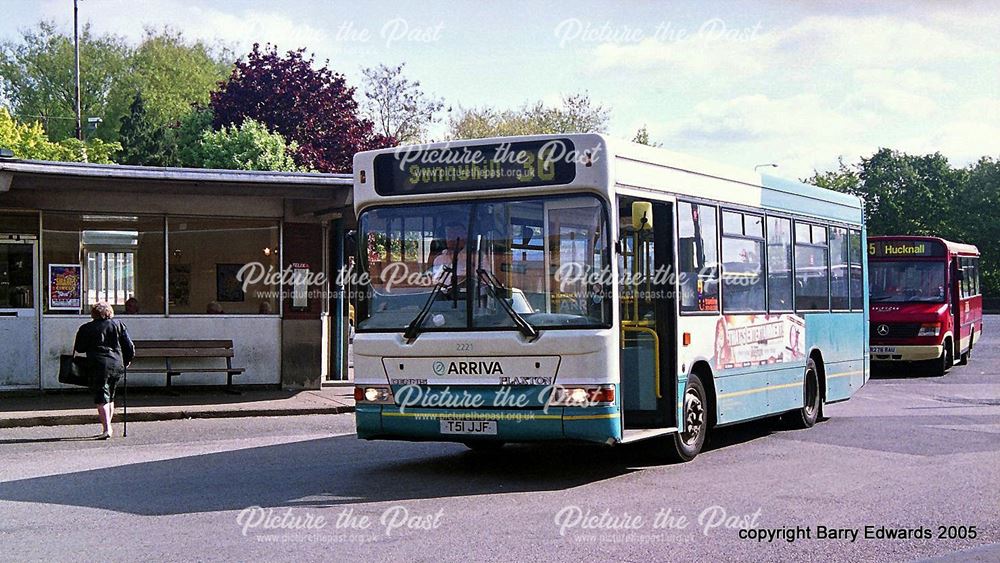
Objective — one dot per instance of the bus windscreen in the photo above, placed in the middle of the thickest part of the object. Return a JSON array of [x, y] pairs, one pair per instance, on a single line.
[[907, 281]]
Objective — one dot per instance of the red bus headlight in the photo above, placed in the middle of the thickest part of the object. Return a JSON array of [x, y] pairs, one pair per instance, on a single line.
[[930, 329]]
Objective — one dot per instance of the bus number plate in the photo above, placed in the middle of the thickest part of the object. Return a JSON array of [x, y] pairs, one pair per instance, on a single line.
[[882, 350], [481, 427]]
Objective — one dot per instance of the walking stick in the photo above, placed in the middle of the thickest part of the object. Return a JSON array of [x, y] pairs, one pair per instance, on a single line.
[[125, 407]]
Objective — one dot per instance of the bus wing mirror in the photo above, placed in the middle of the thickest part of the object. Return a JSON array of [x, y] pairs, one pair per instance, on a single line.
[[642, 215], [960, 275]]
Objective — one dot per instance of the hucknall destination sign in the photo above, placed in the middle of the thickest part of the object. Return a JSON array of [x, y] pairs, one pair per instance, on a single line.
[[905, 248], [417, 170]]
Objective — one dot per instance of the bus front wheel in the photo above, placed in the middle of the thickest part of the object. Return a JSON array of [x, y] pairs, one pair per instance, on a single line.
[[688, 443], [807, 416], [944, 363]]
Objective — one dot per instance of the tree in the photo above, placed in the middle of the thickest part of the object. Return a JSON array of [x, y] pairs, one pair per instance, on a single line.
[[311, 106], [172, 74], [142, 142], [577, 114], [975, 211], [844, 179], [903, 194], [36, 75], [642, 137], [397, 106], [924, 195], [183, 140], [247, 146], [28, 141]]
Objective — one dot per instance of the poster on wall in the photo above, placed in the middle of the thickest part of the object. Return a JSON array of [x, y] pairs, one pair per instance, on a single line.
[[65, 287], [228, 288], [300, 286], [754, 340], [180, 284]]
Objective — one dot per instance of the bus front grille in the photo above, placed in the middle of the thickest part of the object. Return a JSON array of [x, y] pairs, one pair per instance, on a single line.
[[894, 330]]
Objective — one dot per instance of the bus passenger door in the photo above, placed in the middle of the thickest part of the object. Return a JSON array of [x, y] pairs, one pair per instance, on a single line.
[[648, 314], [960, 317]]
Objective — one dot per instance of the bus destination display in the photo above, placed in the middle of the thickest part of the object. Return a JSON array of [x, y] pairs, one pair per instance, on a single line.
[[418, 170], [905, 248]]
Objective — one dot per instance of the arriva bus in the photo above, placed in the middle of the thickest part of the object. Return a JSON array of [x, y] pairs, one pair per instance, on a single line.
[[925, 301], [573, 287]]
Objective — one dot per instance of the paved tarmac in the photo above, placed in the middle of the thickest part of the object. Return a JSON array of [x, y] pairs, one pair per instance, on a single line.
[[918, 454]]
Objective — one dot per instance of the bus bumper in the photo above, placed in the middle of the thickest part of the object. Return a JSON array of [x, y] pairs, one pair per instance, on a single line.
[[386, 422], [904, 353]]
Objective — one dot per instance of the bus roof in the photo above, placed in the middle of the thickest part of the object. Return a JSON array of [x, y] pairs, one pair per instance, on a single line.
[[953, 247], [631, 165], [741, 186]]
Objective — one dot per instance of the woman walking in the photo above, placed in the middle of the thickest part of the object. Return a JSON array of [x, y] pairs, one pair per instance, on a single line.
[[109, 351]]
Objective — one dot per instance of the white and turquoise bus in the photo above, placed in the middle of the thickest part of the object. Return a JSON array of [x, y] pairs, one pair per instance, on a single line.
[[575, 287]]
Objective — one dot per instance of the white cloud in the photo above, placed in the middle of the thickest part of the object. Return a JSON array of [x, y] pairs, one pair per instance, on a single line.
[[973, 131], [755, 117], [239, 29], [800, 133], [825, 86]]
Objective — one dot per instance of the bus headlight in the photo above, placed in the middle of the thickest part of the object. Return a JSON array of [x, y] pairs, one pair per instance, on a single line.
[[930, 329], [378, 394], [601, 396]]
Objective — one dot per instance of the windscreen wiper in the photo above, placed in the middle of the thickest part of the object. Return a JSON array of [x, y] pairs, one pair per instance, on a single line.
[[413, 329], [492, 284]]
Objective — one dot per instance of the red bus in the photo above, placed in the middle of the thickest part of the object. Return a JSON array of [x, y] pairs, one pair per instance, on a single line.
[[925, 301]]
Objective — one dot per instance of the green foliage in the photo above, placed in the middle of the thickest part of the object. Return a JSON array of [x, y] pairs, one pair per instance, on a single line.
[[642, 137], [924, 195], [184, 139], [576, 115], [142, 142], [96, 151], [247, 146], [36, 75], [172, 74], [28, 141], [975, 213]]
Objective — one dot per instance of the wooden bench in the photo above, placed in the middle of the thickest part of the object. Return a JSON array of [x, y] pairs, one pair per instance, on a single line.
[[183, 349]]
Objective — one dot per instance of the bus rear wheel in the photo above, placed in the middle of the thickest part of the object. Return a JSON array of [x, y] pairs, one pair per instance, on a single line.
[[687, 444], [964, 358], [807, 416]]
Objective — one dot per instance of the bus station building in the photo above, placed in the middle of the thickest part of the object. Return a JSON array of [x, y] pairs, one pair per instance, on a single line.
[[181, 254]]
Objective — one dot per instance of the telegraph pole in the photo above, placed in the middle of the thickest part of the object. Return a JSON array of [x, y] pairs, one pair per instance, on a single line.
[[76, 73]]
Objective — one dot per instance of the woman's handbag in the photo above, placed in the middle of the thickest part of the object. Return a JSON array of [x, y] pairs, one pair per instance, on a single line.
[[73, 370]]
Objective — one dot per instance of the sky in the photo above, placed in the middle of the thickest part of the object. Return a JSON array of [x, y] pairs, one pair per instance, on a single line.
[[798, 84]]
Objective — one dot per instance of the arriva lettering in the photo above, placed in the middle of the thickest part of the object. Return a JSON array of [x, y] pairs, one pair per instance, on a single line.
[[475, 368]]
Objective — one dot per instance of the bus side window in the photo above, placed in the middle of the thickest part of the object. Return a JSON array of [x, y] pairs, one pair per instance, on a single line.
[[839, 266], [975, 271], [812, 269], [779, 264], [742, 263], [857, 275], [699, 272]]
